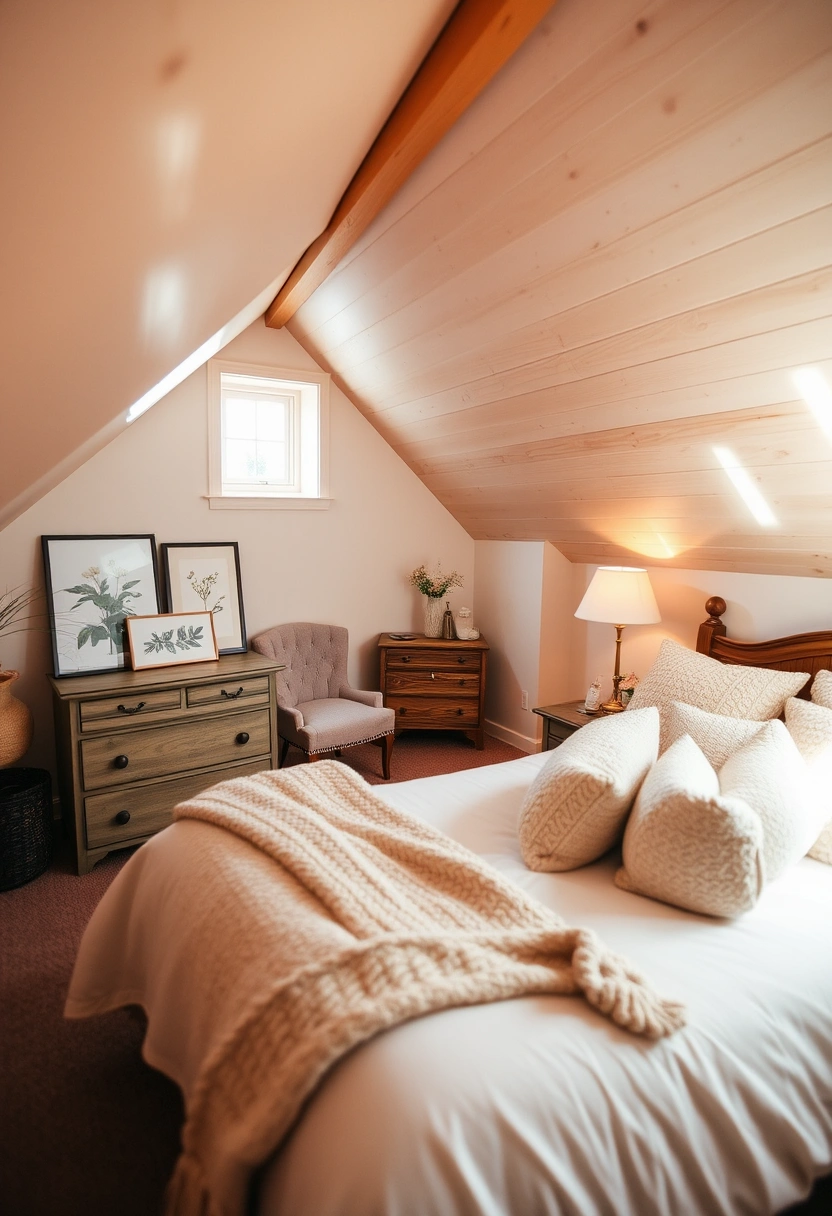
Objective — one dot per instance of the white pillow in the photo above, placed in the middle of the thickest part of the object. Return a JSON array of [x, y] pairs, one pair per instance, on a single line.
[[822, 689], [688, 844], [717, 736], [679, 674], [770, 775], [810, 725], [577, 805]]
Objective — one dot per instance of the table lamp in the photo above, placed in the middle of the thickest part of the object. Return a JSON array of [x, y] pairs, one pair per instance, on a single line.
[[619, 595]]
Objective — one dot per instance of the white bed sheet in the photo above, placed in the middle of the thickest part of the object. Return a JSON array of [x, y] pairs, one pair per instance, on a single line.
[[538, 1105]]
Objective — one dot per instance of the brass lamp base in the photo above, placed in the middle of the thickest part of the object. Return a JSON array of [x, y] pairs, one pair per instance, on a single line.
[[612, 706]]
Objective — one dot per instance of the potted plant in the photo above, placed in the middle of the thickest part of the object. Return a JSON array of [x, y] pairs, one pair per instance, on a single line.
[[434, 587]]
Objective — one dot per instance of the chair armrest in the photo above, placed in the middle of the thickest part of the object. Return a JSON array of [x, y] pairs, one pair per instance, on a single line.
[[374, 699], [294, 715]]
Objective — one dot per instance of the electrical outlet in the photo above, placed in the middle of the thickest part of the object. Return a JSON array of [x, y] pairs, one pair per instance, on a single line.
[[524, 699]]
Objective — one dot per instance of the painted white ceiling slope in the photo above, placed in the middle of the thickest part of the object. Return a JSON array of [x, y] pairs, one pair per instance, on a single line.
[[614, 264], [163, 164]]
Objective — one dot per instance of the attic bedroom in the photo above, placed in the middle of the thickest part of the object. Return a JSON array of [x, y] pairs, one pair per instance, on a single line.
[[308, 310]]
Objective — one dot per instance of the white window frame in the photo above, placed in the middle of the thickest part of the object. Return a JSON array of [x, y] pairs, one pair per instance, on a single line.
[[311, 391]]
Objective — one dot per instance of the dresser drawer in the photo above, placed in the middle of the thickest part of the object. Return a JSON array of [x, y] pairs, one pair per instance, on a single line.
[[428, 660], [434, 683], [158, 751], [149, 807], [234, 692], [121, 711], [444, 711]]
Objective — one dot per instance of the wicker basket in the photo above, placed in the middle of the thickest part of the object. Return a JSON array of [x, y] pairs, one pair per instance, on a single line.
[[25, 825]]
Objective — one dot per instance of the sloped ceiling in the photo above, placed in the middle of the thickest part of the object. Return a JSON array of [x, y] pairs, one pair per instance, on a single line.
[[163, 163], [613, 264]]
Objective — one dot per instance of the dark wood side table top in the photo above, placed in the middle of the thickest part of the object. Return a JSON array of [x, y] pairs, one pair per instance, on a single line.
[[561, 721]]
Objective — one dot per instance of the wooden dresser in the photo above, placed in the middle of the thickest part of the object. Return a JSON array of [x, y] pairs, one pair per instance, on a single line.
[[131, 744], [434, 684]]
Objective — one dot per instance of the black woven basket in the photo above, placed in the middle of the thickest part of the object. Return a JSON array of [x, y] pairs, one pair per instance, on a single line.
[[25, 825]]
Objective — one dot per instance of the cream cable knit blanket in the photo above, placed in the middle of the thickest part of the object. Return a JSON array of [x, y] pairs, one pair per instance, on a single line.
[[401, 921]]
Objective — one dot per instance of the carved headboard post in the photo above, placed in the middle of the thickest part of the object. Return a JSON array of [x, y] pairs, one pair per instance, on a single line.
[[713, 627]]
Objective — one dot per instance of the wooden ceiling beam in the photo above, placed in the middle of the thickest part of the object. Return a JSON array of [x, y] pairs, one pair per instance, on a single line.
[[475, 43]]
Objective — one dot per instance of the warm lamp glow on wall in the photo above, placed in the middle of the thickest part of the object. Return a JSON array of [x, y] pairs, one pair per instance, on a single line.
[[619, 595]]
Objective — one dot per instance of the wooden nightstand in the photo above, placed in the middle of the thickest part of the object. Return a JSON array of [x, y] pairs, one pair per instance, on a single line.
[[561, 721], [435, 684]]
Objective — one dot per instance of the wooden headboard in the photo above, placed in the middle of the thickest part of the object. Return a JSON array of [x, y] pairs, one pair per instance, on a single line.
[[810, 652]]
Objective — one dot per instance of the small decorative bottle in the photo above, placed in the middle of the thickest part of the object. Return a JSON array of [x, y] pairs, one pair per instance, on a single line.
[[448, 626], [593, 697]]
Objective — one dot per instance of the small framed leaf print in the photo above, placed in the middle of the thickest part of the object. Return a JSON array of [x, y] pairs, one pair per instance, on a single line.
[[171, 638]]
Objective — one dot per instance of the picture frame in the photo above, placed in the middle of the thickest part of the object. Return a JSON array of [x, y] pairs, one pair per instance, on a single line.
[[169, 639], [94, 583], [205, 576]]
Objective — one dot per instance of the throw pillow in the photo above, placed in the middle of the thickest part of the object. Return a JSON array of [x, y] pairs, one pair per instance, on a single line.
[[770, 776], [810, 725], [716, 735], [822, 689], [577, 805], [688, 844], [679, 674]]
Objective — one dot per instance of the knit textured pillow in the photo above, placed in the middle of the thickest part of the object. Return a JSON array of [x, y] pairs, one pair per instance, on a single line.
[[822, 689], [688, 844], [577, 805], [716, 735], [679, 674], [770, 775], [810, 725]]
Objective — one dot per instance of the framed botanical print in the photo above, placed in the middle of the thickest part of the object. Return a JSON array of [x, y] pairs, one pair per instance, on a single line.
[[171, 638], [93, 584], [204, 576]]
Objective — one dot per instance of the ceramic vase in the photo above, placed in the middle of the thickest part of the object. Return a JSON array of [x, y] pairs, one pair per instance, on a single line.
[[15, 722], [434, 607]]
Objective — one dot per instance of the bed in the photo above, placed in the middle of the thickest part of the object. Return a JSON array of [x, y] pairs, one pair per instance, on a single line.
[[532, 1105]]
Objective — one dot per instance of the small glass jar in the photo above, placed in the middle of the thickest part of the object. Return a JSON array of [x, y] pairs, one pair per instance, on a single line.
[[464, 623]]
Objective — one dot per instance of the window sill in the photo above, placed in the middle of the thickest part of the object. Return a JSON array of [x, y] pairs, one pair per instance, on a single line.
[[264, 503]]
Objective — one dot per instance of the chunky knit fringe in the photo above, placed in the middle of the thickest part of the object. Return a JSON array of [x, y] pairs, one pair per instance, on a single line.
[[422, 925]]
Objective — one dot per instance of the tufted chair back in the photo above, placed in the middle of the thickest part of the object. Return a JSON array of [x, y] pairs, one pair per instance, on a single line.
[[315, 658]]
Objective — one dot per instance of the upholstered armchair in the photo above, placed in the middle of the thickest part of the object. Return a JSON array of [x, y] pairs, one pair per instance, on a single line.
[[317, 710]]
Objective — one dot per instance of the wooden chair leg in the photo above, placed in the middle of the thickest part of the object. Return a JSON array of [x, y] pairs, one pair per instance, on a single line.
[[386, 753]]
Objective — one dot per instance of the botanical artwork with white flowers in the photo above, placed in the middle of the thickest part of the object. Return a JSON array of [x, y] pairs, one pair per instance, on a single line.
[[93, 584], [206, 577]]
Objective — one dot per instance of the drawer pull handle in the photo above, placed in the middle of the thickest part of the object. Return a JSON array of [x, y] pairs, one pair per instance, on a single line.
[[460, 712], [462, 683], [402, 709], [243, 737], [406, 658], [124, 709], [121, 761], [123, 817], [231, 696], [432, 676], [460, 658]]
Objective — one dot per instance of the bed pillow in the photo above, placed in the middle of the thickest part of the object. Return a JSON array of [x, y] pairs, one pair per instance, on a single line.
[[577, 805], [688, 844], [810, 725], [822, 689], [771, 776], [679, 674], [716, 735]]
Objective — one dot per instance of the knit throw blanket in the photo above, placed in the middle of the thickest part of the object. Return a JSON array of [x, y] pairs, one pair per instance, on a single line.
[[395, 920]]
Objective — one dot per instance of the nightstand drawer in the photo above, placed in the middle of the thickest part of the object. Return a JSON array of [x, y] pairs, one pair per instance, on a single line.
[[148, 808], [124, 710], [235, 692], [429, 660], [437, 683], [447, 711], [136, 755]]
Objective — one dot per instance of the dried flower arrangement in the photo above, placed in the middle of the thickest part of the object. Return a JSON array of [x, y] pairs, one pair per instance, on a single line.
[[434, 585]]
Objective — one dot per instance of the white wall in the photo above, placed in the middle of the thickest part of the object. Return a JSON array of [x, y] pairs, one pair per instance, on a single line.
[[347, 565], [523, 591], [760, 606]]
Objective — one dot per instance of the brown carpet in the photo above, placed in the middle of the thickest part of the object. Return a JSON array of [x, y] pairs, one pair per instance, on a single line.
[[86, 1127]]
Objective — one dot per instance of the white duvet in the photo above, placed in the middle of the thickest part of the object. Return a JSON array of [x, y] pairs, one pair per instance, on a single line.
[[537, 1105]]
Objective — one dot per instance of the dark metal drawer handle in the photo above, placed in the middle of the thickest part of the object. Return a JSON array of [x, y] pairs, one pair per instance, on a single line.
[[402, 709], [123, 817], [406, 658], [121, 761], [460, 712], [460, 658], [123, 709], [231, 696], [243, 737]]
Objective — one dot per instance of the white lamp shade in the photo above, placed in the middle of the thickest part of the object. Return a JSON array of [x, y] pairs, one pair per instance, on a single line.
[[619, 595]]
